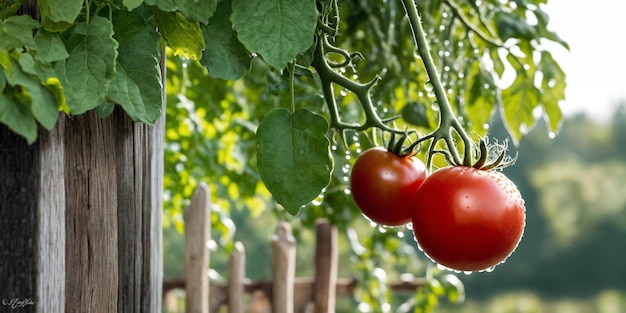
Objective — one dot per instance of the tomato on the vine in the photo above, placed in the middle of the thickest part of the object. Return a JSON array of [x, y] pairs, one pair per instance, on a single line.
[[468, 219], [384, 185]]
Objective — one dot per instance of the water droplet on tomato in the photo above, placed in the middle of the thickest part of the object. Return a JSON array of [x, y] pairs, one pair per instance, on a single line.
[[468, 272]]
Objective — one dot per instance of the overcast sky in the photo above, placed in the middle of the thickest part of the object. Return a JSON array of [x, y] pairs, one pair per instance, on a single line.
[[596, 63]]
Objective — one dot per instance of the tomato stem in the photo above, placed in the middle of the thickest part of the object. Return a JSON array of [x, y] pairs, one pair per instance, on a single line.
[[328, 77], [447, 118]]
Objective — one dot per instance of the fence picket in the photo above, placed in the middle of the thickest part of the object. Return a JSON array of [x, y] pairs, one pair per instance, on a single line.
[[236, 278], [197, 219], [325, 266], [283, 269]]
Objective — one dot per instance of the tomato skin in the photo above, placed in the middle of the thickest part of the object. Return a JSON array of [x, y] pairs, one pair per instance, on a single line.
[[384, 185], [468, 219]]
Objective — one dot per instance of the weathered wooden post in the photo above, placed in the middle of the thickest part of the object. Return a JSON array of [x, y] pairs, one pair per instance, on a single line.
[[325, 266], [197, 234], [81, 214], [236, 279], [283, 269]]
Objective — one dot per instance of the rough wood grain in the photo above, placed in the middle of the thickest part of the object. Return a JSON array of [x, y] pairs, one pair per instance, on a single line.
[[325, 266], [50, 249], [91, 215], [18, 216], [197, 233], [236, 279], [283, 269]]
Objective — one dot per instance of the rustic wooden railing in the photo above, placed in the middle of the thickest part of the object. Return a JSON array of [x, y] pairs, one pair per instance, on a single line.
[[284, 293]]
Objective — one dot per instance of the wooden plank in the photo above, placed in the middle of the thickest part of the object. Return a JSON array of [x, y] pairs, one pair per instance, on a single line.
[[18, 216], [197, 233], [152, 206], [129, 169], [283, 269], [236, 279], [91, 215], [50, 256], [325, 266]]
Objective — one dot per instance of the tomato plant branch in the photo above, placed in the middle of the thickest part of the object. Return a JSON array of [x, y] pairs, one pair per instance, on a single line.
[[328, 77], [447, 119], [458, 12]]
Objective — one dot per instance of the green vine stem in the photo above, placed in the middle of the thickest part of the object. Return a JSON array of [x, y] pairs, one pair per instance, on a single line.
[[447, 119], [329, 76]]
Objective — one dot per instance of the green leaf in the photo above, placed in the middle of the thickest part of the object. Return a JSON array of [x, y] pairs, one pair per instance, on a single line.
[[3, 81], [50, 47], [105, 109], [86, 73], [415, 113], [498, 65], [10, 8], [480, 97], [137, 85], [58, 15], [294, 156], [511, 25], [183, 36], [276, 29], [519, 101], [225, 57], [16, 32], [552, 90], [40, 100], [193, 10], [132, 4], [18, 117]]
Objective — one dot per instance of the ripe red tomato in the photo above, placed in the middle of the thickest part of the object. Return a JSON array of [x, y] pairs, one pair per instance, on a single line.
[[384, 185], [468, 219]]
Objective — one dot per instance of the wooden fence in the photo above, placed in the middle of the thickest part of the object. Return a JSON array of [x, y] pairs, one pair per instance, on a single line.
[[284, 293]]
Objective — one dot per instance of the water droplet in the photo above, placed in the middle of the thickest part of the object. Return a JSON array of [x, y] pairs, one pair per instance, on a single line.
[[343, 92], [435, 106], [400, 234], [485, 126], [347, 191], [428, 86], [345, 178], [490, 269], [551, 135], [468, 272]]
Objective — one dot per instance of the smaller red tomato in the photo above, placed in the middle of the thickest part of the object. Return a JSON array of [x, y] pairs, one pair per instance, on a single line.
[[384, 185], [468, 219]]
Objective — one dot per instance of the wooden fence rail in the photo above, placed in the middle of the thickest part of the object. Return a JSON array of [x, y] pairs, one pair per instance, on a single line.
[[284, 293]]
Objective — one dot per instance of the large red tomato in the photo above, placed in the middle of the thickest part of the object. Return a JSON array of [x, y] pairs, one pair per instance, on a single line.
[[468, 219], [384, 185]]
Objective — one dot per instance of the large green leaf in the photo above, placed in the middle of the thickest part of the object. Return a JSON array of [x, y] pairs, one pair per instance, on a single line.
[[17, 117], [58, 15], [29, 75], [519, 101], [50, 47], [480, 97], [276, 29], [17, 32], [137, 85], [294, 156], [194, 10], [86, 73], [552, 90], [183, 36], [131, 4], [225, 57]]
